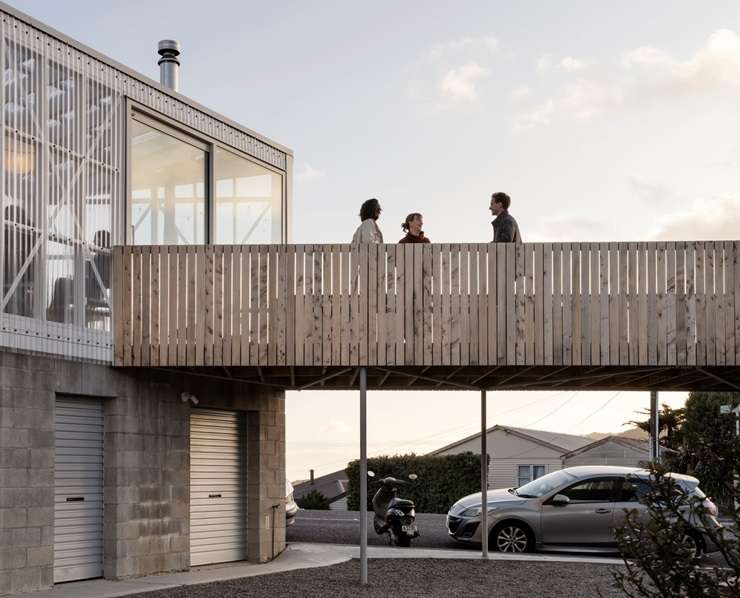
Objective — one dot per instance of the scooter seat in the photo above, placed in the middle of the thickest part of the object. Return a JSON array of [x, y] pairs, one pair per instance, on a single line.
[[401, 502]]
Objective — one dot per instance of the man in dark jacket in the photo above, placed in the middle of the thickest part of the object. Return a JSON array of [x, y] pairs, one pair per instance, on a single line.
[[505, 228]]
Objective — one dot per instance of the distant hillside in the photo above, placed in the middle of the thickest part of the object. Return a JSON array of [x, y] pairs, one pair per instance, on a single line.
[[634, 433]]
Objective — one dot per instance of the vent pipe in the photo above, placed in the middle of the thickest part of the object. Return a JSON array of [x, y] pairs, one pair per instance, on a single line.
[[169, 65]]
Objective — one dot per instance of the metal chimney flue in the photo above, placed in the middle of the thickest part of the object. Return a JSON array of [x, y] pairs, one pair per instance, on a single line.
[[169, 64]]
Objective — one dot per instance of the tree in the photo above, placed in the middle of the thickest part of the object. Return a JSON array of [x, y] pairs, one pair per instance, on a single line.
[[711, 448], [313, 500], [659, 546], [669, 425]]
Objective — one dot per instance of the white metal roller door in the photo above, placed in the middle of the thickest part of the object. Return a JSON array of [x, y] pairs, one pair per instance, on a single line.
[[78, 495], [218, 487]]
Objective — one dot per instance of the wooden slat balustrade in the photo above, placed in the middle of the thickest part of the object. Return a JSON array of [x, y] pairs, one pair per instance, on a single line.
[[535, 304]]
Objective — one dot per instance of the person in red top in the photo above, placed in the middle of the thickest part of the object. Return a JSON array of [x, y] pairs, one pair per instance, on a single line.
[[412, 226]]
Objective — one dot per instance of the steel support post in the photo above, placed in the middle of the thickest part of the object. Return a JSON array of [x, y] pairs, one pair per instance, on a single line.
[[363, 476], [483, 477], [654, 428]]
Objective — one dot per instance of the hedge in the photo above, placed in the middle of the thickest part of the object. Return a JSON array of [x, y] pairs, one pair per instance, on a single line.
[[443, 479]]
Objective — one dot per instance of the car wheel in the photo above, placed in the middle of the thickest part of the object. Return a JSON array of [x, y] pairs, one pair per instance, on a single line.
[[511, 537]]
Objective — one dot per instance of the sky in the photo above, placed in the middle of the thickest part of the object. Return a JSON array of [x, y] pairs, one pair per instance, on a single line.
[[603, 121]]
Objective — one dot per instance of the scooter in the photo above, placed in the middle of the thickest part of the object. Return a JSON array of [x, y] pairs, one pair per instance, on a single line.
[[394, 516]]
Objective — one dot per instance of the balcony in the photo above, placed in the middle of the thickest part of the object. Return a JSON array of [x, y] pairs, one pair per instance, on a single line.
[[539, 315]]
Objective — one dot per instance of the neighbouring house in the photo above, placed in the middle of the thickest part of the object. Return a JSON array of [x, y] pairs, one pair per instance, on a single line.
[[612, 450], [518, 455], [332, 485]]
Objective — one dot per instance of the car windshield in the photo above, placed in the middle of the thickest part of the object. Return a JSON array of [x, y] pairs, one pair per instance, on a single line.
[[547, 483]]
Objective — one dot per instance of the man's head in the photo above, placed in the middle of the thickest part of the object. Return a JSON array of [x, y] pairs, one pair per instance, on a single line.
[[500, 202]]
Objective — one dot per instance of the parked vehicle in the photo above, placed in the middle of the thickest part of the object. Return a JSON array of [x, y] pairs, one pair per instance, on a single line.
[[393, 515], [291, 508], [577, 507]]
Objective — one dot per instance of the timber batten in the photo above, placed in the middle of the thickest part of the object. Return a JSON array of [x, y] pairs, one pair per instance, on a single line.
[[477, 306]]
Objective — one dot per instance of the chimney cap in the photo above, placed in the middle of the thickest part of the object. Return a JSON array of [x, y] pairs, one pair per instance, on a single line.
[[169, 47]]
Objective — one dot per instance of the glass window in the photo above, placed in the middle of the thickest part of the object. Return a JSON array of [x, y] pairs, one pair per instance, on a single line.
[[527, 473], [248, 201], [545, 484], [168, 181], [594, 490]]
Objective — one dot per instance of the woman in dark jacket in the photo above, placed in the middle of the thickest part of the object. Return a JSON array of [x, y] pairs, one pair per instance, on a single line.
[[412, 226]]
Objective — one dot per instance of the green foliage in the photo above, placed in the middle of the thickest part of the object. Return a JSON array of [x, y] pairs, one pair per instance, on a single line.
[[443, 479], [711, 448], [670, 422], [313, 500], [659, 563]]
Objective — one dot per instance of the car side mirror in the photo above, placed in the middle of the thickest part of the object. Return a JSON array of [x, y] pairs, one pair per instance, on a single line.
[[559, 500]]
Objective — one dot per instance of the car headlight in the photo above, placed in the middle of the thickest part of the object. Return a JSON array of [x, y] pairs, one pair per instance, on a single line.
[[475, 511]]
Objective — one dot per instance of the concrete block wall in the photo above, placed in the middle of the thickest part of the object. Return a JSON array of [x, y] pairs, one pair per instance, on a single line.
[[26, 472], [147, 495]]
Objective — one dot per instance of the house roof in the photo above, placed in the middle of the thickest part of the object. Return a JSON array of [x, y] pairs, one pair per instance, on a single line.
[[332, 486], [641, 445], [553, 440]]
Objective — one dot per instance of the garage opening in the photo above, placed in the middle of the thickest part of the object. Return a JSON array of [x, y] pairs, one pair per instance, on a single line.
[[218, 486], [78, 488]]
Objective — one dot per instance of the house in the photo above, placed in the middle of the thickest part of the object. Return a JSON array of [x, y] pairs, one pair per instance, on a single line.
[[333, 486], [122, 472], [518, 455], [612, 450]]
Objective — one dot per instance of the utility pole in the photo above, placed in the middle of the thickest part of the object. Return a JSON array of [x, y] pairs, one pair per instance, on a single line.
[[728, 410], [483, 477]]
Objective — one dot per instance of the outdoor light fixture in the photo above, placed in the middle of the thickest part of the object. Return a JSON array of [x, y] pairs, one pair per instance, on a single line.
[[22, 160]]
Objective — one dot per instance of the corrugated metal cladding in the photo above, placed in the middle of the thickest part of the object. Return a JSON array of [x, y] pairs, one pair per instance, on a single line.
[[78, 488], [63, 178], [218, 487]]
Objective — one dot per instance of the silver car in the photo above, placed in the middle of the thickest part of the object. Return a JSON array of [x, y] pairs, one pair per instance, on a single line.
[[574, 507]]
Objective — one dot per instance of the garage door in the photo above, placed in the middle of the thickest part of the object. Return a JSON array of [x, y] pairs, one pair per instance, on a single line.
[[78, 483], [218, 487]]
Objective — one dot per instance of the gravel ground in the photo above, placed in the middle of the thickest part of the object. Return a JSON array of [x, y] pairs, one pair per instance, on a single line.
[[416, 577]]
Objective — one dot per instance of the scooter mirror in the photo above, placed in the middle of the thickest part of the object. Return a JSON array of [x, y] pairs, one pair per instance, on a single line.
[[413, 476], [371, 474]]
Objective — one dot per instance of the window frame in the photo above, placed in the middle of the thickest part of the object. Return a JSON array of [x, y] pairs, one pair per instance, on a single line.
[[531, 472], [136, 111], [612, 496]]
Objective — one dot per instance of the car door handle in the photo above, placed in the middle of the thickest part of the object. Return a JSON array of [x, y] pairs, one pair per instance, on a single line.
[[603, 511]]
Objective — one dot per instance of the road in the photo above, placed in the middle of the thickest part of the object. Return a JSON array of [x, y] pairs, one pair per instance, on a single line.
[[343, 527]]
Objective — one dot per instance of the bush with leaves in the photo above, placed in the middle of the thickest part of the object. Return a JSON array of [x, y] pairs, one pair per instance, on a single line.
[[443, 479], [659, 546], [313, 500]]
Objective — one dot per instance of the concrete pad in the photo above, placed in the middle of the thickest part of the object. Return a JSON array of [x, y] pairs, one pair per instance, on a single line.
[[294, 557], [393, 552]]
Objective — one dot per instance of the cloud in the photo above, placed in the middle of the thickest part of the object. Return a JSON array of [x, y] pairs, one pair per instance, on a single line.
[[643, 74], [649, 193], [308, 173], [572, 64], [714, 66], [450, 74], [520, 93], [716, 218], [460, 83], [543, 63]]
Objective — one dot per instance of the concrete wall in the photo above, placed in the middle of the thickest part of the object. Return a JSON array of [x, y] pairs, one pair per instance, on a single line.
[[147, 474]]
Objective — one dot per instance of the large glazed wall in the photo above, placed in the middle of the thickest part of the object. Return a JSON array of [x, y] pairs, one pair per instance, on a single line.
[[63, 181], [146, 465]]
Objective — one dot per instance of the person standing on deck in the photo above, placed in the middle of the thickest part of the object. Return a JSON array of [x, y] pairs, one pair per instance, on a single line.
[[413, 225], [505, 228], [368, 231]]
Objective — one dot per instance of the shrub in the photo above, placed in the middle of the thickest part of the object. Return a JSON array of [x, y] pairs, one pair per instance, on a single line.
[[443, 479], [313, 500], [658, 562]]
